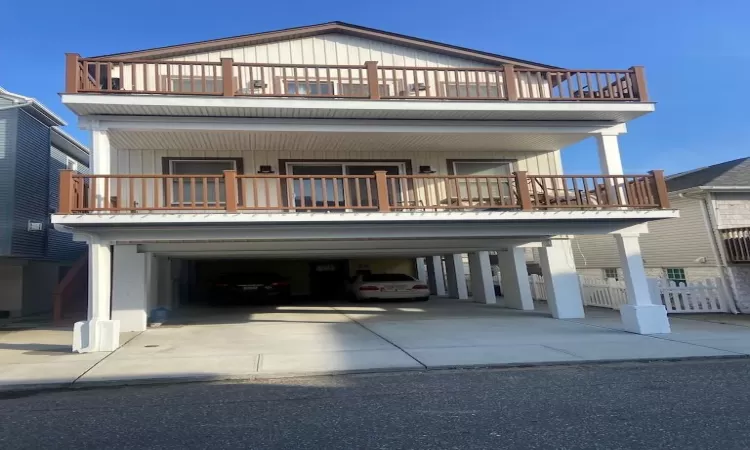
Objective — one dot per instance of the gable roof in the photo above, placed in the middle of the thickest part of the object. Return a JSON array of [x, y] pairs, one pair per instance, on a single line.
[[735, 173], [320, 29]]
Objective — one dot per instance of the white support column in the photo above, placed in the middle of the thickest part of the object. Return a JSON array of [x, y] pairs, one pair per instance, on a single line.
[[515, 278], [152, 281], [100, 161], [435, 279], [482, 287], [610, 162], [99, 333], [561, 280], [422, 270], [640, 315], [454, 268], [129, 288]]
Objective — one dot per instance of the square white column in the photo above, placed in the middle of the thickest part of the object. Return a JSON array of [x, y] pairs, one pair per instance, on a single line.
[[435, 278], [482, 288], [610, 163], [100, 162], [640, 315], [422, 270], [515, 278], [561, 280], [454, 268], [129, 288], [99, 333]]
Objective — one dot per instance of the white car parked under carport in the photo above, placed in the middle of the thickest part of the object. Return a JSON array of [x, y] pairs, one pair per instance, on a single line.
[[386, 286]]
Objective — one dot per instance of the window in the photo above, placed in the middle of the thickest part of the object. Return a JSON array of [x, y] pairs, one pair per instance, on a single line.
[[302, 87], [205, 167], [361, 90], [195, 84], [677, 275], [471, 191], [611, 272], [470, 90]]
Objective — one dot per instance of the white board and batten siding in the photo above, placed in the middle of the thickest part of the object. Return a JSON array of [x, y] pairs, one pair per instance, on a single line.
[[333, 50], [680, 242]]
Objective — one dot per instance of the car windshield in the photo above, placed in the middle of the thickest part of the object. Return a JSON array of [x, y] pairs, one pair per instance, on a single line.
[[374, 277]]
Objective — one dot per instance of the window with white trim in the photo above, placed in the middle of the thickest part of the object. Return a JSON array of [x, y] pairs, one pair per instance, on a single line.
[[611, 272], [676, 274], [212, 171], [471, 191]]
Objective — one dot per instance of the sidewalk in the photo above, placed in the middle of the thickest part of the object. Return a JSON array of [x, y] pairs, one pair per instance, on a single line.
[[314, 340]]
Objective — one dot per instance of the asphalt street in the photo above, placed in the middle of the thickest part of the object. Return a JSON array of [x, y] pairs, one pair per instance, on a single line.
[[662, 405]]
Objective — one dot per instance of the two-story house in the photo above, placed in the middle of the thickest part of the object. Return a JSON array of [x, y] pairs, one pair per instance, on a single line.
[[330, 148], [710, 239], [33, 255]]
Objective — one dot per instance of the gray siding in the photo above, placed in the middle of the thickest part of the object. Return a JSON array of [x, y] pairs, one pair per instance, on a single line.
[[669, 243], [8, 128], [60, 246], [31, 187]]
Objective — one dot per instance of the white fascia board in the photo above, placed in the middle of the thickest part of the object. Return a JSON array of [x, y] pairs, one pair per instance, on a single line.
[[725, 188], [347, 125], [355, 217], [342, 104]]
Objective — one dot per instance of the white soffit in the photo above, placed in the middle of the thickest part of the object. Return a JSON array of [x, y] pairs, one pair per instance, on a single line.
[[331, 141]]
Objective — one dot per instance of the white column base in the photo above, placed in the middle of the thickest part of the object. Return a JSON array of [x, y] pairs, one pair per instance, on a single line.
[[561, 279], [454, 268], [96, 336], [515, 279], [645, 319], [435, 279], [482, 287], [129, 288]]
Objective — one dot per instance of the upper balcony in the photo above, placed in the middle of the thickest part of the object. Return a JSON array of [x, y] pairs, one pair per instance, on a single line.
[[616, 95]]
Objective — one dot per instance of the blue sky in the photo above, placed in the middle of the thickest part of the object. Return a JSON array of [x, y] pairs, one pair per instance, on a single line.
[[696, 53]]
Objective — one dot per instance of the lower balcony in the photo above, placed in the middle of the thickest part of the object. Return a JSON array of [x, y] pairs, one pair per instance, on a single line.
[[737, 244], [379, 192]]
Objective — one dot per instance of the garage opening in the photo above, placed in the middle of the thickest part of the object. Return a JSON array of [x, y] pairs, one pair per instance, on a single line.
[[250, 282]]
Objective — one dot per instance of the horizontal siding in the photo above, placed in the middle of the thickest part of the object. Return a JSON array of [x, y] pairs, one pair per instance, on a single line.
[[732, 209], [670, 243], [60, 245], [8, 126], [31, 187]]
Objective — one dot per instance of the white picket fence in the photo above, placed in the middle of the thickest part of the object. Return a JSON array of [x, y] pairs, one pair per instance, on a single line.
[[694, 297]]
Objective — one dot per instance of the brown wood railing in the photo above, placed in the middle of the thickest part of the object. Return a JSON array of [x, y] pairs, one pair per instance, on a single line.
[[737, 244], [381, 192], [367, 81]]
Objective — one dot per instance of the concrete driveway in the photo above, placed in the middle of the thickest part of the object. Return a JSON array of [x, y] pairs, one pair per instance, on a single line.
[[309, 339]]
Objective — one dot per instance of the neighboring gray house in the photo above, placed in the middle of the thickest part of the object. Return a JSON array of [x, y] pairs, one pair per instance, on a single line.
[[33, 255], [711, 238]]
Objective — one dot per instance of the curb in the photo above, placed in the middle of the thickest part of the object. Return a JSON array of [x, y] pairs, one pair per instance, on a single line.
[[7, 391]]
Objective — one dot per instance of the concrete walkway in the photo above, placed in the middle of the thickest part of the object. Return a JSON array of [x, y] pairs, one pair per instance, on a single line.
[[307, 339]]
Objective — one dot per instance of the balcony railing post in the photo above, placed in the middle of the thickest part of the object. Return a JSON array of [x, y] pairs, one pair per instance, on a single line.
[[511, 85], [640, 82], [661, 188], [381, 185], [522, 187], [227, 76], [372, 79], [230, 185], [65, 203], [71, 73]]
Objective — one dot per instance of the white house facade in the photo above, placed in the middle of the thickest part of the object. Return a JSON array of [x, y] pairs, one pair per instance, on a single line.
[[337, 148]]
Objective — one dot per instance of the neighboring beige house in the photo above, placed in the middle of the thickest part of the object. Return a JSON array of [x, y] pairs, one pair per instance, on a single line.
[[325, 150], [710, 239]]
